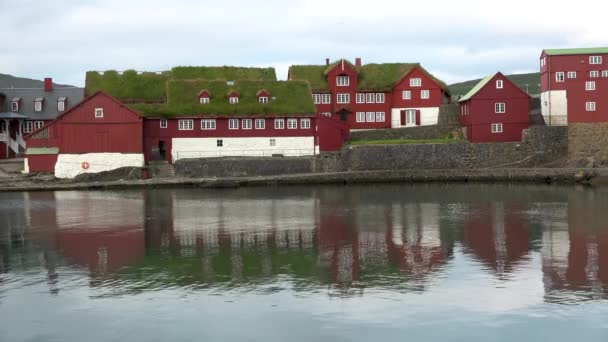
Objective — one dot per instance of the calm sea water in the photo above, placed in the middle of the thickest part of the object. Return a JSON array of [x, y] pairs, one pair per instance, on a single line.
[[369, 263]]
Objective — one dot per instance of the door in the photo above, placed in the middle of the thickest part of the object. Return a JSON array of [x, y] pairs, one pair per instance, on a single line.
[[410, 117], [161, 148]]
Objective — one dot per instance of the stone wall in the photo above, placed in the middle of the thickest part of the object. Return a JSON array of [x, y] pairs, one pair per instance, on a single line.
[[243, 167], [588, 144]]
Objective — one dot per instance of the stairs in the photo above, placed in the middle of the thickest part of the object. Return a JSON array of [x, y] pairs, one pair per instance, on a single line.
[[161, 169]]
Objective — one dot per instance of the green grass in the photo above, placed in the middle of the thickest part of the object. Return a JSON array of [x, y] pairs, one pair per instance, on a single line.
[[403, 141], [227, 73], [128, 87], [531, 79]]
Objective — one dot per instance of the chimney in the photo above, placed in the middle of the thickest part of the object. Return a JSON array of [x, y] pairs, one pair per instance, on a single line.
[[358, 61], [48, 84], [326, 61]]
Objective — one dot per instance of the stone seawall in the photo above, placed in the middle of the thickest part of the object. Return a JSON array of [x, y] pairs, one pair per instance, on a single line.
[[588, 144]]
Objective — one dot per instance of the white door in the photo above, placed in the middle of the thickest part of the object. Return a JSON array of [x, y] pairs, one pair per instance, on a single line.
[[410, 117]]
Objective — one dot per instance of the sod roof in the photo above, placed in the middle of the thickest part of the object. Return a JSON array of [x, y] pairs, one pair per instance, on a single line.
[[580, 51], [286, 98]]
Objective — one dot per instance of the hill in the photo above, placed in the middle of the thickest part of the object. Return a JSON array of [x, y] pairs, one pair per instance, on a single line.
[[8, 81], [532, 81]]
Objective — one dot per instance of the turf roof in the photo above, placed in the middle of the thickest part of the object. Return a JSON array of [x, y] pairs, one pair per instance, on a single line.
[[580, 51]]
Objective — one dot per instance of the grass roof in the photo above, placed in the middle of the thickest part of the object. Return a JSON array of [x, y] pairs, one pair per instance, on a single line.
[[286, 98], [313, 74], [228, 73]]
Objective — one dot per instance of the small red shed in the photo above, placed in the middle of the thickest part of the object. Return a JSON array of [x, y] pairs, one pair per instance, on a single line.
[[495, 110]]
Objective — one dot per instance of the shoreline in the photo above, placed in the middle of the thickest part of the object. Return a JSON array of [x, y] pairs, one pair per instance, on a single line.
[[587, 176]]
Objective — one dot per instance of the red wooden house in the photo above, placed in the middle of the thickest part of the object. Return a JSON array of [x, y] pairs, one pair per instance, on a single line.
[[373, 96], [574, 85], [495, 110]]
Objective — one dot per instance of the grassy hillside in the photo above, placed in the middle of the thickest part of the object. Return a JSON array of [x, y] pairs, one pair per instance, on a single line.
[[8, 81], [532, 80]]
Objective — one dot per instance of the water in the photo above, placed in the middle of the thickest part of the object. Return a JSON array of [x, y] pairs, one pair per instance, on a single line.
[[369, 263]]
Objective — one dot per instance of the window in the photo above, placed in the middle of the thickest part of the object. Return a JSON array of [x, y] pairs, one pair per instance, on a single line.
[[185, 125], [263, 99], [496, 128], [305, 123], [595, 59], [360, 98], [292, 123], [424, 94], [559, 77], [415, 82], [233, 124], [204, 100], [571, 74], [28, 126], [343, 98], [410, 117], [343, 81], [219, 143], [499, 107], [163, 123], [380, 98], [99, 112], [234, 100], [498, 84], [260, 124], [370, 98], [328, 114], [605, 73], [279, 123], [590, 106], [316, 98], [326, 98], [406, 94], [38, 104], [61, 104], [15, 106], [38, 124], [594, 74], [273, 142], [360, 117], [247, 123], [590, 85], [371, 117], [379, 116], [208, 124], [543, 61]]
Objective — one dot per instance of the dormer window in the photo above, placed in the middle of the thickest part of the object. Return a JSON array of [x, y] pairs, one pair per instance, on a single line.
[[234, 100], [61, 104], [203, 97], [38, 104], [203, 100], [15, 104], [263, 99], [263, 96], [343, 81]]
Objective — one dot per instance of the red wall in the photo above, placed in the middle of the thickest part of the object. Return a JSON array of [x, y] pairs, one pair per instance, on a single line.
[[435, 92], [2, 150], [482, 133], [331, 134], [42, 163]]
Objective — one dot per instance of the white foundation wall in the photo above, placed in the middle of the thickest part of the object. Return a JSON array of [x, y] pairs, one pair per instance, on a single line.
[[428, 116], [239, 147], [554, 107], [70, 165]]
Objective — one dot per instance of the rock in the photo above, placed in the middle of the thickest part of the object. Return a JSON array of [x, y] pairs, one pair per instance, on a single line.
[[123, 173]]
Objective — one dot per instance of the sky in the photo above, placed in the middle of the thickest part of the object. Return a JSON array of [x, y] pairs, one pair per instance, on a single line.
[[456, 41]]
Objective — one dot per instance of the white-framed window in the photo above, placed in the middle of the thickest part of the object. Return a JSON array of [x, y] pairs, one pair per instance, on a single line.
[[292, 123], [425, 94], [247, 123], [185, 125], [380, 117], [590, 85], [233, 124], [406, 94], [326, 98], [28, 126], [543, 61], [163, 123], [38, 105], [305, 123], [99, 112], [499, 84], [360, 117], [328, 114], [571, 74], [360, 98], [370, 117], [559, 76], [38, 124], [496, 128], [604, 73], [370, 98], [203, 100], [234, 100], [590, 106], [499, 107], [595, 59], [263, 99], [61, 106], [260, 124], [219, 143], [208, 124], [343, 81], [343, 98], [379, 97], [14, 106], [410, 117], [594, 74], [416, 82], [279, 123], [316, 98], [273, 142]]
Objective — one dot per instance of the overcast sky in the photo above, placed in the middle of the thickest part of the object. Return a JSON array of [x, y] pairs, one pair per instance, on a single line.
[[454, 40]]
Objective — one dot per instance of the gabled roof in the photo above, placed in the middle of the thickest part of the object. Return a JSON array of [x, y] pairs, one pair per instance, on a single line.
[[578, 51], [262, 91], [30, 95], [204, 91], [477, 87]]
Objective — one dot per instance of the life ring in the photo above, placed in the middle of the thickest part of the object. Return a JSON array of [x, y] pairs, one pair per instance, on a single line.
[[85, 165]]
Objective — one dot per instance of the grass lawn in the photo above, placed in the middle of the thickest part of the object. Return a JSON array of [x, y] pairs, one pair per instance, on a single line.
[[403, 141]]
